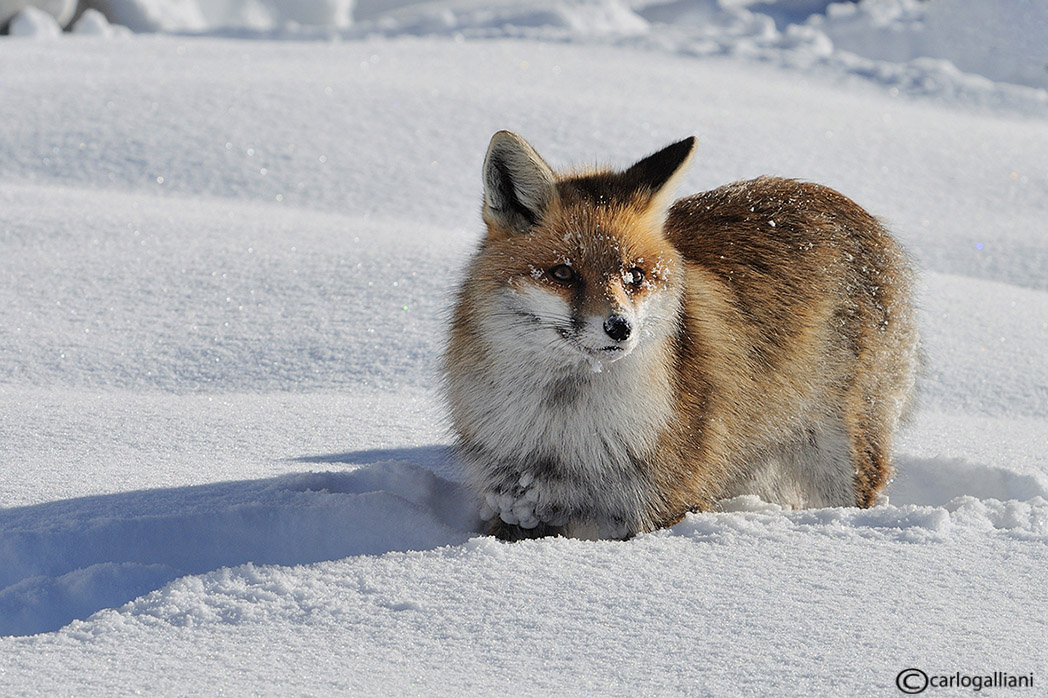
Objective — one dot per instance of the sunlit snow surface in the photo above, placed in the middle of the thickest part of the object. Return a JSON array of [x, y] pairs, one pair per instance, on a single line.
[[225, 266]]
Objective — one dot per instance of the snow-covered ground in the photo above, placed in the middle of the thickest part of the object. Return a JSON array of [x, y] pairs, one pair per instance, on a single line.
[[225, 262]]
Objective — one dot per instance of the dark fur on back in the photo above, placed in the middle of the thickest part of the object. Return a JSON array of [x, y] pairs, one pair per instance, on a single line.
[[813, 292]]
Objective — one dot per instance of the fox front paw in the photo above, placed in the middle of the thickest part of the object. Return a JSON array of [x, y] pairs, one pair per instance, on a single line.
[[517, 514], [516, 509], [514, 532]]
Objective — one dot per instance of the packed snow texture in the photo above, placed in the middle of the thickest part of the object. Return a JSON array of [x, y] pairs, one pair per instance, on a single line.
[[226, 267]]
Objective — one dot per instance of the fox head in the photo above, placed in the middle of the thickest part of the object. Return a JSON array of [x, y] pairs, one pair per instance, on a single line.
[[576, 266]]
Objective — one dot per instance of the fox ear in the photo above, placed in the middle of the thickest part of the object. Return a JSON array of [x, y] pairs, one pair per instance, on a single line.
[[659, 174], [518, 185]]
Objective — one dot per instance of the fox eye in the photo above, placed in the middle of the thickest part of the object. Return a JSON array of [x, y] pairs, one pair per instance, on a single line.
[[562, 273], [635, 276]]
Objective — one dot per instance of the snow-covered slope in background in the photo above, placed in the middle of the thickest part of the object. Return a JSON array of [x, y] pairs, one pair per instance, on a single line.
[[225, 266], [1001, 40], [973, 51]]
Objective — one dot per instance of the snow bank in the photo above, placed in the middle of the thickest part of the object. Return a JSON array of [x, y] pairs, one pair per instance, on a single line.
[[67, 559], [94, 23], [762, 601], [214, 15], [991, 53], [1001, 40], [910, 45], [61, 11], [35, 24]]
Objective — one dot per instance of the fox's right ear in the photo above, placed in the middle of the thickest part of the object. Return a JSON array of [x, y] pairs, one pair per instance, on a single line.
[[518, 185], [658, 174]]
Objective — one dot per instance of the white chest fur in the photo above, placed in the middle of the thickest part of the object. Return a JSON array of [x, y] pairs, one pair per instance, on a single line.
[[559, 438]]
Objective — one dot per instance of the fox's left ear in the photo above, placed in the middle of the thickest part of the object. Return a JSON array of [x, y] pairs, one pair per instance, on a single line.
[[519, 187], [659, 174]]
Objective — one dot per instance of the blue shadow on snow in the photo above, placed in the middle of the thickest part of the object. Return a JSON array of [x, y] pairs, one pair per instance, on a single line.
[[64, 560]]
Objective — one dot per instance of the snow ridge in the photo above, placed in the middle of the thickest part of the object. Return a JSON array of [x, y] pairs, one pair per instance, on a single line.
[[988, 53], [65, 560]]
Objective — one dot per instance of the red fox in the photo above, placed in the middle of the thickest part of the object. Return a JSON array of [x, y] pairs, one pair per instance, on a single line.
[[617, 360]]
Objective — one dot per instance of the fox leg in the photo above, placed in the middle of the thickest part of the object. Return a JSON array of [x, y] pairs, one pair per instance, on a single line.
[[871, 453], [871, 417]]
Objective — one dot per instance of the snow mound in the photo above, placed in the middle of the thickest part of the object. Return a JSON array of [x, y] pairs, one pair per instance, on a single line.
[[907, 46], [941, 481], [930, 499], [252, 593], [61, 11], [153, 15], [43, 603], [34, 23], [990, 53], [94, 23], [749, 517], [200, 16], [67, 559], [1001, 40], [544, 19]]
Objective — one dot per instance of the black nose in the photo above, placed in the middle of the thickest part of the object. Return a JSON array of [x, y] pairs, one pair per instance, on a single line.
[[618, 328]]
